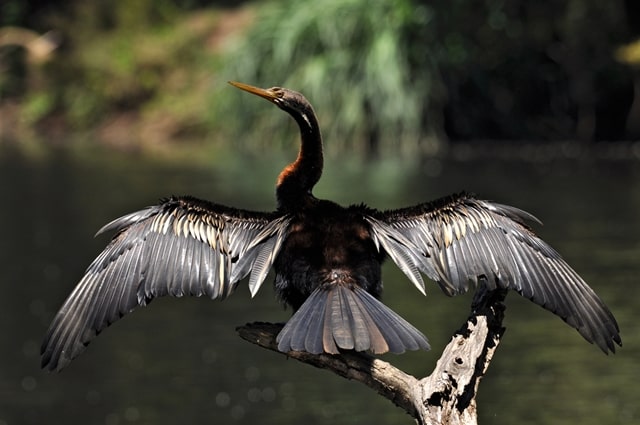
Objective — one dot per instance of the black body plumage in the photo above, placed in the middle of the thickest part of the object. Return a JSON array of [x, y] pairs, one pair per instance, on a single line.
[[327, 260]]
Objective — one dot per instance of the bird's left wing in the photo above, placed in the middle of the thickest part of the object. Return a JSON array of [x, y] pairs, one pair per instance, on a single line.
[[183, 246], [460, 240]]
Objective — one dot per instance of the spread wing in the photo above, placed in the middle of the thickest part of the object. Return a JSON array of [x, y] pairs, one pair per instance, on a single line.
[[183, 246], [458, 241]]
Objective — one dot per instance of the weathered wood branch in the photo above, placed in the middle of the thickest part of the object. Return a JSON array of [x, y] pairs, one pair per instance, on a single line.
[[447, 395]]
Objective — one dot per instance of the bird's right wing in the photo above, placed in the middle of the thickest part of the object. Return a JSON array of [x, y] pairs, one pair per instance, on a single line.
[[461, 241], [183, 246]]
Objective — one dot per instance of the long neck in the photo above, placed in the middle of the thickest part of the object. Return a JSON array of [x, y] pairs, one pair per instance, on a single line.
[[297, 179]]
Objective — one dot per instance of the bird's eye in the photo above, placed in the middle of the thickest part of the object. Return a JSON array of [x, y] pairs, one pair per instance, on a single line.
[[277, 91]]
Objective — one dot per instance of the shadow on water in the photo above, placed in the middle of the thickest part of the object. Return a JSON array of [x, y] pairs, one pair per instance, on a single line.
[[180, 361]]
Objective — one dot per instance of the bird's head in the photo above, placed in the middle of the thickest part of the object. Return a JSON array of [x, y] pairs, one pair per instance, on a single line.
[[288, 100], [298, 178]]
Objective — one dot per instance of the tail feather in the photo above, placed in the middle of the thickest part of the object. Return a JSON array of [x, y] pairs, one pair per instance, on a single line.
[[352, 326], [306, 334], [349, 318], [406, 336]]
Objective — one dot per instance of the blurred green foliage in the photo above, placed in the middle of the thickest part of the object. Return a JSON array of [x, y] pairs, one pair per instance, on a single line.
[[535, 70], [407, 75], [386, 77], [145, 58], [354, 61]]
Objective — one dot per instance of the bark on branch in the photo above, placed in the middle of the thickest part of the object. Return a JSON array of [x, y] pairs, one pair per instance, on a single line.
[[447, 395]]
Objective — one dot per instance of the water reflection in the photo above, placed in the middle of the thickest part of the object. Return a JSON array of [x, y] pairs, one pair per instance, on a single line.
[[180, 361]]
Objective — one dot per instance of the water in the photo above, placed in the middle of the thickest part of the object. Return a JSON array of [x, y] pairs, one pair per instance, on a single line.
[[180, 361]]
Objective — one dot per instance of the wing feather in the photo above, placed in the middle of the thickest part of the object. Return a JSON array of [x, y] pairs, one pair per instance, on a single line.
[[460, 240], [183, 246]]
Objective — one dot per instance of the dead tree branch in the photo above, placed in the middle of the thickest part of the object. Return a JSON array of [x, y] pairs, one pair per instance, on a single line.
[[447, 395]]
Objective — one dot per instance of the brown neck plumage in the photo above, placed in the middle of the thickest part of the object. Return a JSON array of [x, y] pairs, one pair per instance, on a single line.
[[297, 179]]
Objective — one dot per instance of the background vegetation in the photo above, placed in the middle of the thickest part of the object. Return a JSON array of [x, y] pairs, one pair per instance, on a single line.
[[402, 76]]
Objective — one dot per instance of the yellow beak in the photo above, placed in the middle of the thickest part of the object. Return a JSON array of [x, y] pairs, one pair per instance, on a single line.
[[268, 94]]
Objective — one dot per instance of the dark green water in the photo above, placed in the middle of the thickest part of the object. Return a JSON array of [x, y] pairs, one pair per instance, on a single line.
[[180, 361]]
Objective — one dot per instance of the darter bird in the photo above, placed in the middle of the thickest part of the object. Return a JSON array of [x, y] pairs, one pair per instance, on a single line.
[[327, 260]]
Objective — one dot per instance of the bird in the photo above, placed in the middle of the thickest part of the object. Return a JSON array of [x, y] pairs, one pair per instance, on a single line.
[[327, 260]]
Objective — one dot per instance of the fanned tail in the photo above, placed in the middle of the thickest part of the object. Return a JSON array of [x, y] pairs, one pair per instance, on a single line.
[[347, 317]]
